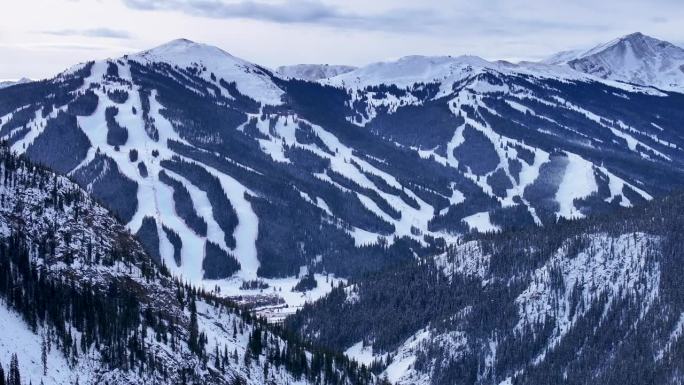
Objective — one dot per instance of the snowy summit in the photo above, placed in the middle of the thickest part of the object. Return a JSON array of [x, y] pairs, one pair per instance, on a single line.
[[634, 58], [251, 79]]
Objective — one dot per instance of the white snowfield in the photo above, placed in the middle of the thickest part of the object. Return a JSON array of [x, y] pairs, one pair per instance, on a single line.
[[285, 300], [17, 338]]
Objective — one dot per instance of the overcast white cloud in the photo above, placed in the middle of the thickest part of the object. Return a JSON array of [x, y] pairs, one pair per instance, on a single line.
[[95, 32], [395, 18], [41, 37]]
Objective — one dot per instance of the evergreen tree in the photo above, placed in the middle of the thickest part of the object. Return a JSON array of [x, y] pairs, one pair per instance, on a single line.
[[217, 360], [255, 344], [193, 343], [43, 355], [14, 375], [225, 360], [247, 359], [2, 375], [234, 329]]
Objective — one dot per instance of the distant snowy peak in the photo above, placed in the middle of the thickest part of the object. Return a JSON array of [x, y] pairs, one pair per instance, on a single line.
[[563, 57], [410, 70], [634, 58], [443, 70], [643, 46], [313, 71], [182, 48], [251, 79], [7, 83]]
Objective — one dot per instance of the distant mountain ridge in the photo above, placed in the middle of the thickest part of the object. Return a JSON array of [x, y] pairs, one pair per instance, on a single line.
[[313, 71], [277, 191], [282, 179], [7, 83], [634, 58]]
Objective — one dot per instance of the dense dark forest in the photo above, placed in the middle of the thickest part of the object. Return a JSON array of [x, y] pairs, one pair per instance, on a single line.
[[616, 338]]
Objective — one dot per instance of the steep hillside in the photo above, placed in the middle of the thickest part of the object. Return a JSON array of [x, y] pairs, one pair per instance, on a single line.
[[230, 174], [592, 301], [81, 302]]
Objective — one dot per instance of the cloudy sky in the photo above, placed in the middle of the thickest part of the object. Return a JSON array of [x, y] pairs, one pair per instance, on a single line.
[[39, 38]]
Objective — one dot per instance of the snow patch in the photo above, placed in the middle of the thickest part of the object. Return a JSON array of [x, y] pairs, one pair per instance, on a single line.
[[481, 222]]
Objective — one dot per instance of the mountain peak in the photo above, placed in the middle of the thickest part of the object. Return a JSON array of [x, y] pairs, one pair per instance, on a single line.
[[634, 58], [182, 40], [251, 80], [638, 36], [635, 35], [184, 47], [637, 40]]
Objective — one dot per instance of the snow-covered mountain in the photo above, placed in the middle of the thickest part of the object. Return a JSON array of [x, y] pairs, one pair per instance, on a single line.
[[229, 173], [312, 71], [592, 301], [7, 83], [634, 58], [250, 80], [410, 70], [81, 302], [273, 190]]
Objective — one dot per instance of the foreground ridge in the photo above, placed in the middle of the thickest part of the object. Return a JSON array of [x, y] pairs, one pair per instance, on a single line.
[[593, 301], [83, 303]]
